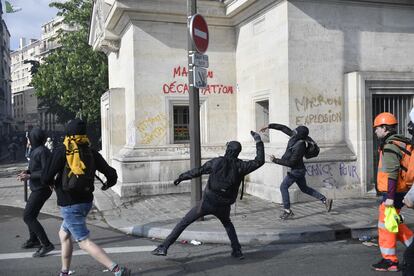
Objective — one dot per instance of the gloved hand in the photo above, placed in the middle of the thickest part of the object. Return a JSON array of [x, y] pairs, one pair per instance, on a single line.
[[274, 159], [389, 202], [177, 181], [106, 186], [256, 136]]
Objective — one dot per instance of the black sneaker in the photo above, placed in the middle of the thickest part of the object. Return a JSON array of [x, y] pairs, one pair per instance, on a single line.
[[237, 254], [328, 204], [30, 244], [386, 265], [43, 250], [285, 215], [159, 251]]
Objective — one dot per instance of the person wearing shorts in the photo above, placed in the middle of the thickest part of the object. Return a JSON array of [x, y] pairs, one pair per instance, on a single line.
[[75, 205]]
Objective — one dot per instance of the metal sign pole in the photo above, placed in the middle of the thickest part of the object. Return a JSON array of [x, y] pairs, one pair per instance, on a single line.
[[194, 110]]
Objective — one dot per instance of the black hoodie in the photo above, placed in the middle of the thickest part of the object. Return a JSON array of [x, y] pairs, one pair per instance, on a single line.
[[243, 168], [296, 147], [38, 159], [57, 164]]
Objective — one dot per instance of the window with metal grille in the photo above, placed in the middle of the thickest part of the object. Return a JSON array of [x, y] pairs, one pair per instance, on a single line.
[[400, 106], [181, 124]]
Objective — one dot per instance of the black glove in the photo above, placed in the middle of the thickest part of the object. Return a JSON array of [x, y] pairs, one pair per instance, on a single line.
[[256, 136], [106, 186], [275, 160], [177, 181]]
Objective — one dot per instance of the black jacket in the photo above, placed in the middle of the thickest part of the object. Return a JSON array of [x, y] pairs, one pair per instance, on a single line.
[[295, 150], [38, 159], [55, 168], [243, 167]]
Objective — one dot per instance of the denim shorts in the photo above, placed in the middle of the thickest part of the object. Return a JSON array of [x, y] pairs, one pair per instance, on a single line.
[[74, 220]]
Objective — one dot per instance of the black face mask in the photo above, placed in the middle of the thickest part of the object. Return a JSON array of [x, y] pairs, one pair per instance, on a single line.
[[233, 149], [75, 127], [301, 132]]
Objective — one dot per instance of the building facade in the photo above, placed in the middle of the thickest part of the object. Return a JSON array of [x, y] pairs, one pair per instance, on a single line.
[[27, 110], [5, 89], [328, 64]]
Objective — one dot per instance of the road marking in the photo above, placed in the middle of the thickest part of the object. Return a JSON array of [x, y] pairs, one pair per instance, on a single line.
[[109, 250]]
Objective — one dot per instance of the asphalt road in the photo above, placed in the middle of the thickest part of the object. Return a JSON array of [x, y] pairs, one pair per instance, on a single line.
[[331, 258]]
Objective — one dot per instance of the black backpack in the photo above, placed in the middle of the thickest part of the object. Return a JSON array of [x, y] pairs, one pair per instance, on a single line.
[[225, 178], [84, 183], [312, 149]]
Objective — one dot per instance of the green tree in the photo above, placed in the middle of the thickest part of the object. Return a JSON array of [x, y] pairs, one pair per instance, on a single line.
[[73, 77]]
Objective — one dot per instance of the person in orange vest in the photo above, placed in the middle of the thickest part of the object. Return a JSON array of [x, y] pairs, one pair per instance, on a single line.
[[392, 188]]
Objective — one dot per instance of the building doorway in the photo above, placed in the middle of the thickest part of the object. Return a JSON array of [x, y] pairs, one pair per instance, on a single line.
[[398, 104]]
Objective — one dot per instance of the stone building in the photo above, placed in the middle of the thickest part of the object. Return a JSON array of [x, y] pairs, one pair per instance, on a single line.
[[328, 64], [26, 108], [5, 90]]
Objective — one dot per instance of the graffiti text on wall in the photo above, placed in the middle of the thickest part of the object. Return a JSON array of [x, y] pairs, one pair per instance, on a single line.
[[152, 128], [330, 173], [306, 104], [179, 87], [319, 118]]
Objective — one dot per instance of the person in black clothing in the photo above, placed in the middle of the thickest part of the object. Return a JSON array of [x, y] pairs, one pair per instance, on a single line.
[[215, 202], [75, 206], [293, 158], [40, 193]]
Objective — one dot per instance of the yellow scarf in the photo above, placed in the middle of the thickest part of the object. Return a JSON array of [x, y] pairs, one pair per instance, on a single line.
[[72, 153]]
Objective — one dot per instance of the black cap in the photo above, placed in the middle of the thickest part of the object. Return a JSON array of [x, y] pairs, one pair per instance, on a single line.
[[75, 127]]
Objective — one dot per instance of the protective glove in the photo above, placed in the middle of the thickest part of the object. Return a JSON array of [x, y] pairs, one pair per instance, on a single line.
[[256, 136], [389, 202]]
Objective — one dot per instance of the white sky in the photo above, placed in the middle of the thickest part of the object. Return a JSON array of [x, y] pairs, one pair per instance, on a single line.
[[27, 22]]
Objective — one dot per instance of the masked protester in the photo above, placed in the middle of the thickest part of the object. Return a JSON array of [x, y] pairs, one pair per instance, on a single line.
[[293, 158], [393, 190], [225, 176], [72, 162], [40, 192]]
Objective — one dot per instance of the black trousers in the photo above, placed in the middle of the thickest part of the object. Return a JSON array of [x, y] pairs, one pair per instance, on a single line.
[[206, 208], [408, 261], [33, 206]]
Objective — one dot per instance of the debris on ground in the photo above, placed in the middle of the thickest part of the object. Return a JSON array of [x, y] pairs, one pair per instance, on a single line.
[[195, 242]]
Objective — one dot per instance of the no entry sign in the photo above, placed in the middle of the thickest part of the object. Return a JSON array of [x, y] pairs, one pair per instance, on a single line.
[[199, 33]]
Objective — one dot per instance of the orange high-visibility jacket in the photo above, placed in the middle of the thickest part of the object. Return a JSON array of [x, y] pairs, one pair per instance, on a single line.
[[389, 166]]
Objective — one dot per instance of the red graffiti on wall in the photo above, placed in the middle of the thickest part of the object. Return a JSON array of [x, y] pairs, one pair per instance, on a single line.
[[182, 88]]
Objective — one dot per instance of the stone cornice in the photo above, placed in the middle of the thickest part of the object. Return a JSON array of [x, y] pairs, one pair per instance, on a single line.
[[364, 2], [100, 38], [111, 17]]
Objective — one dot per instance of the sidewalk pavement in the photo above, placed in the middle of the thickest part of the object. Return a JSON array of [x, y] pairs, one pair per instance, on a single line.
[[255, 220]]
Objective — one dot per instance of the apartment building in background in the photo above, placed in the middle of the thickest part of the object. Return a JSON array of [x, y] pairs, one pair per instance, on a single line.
[[27, 110], [5, 89]]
